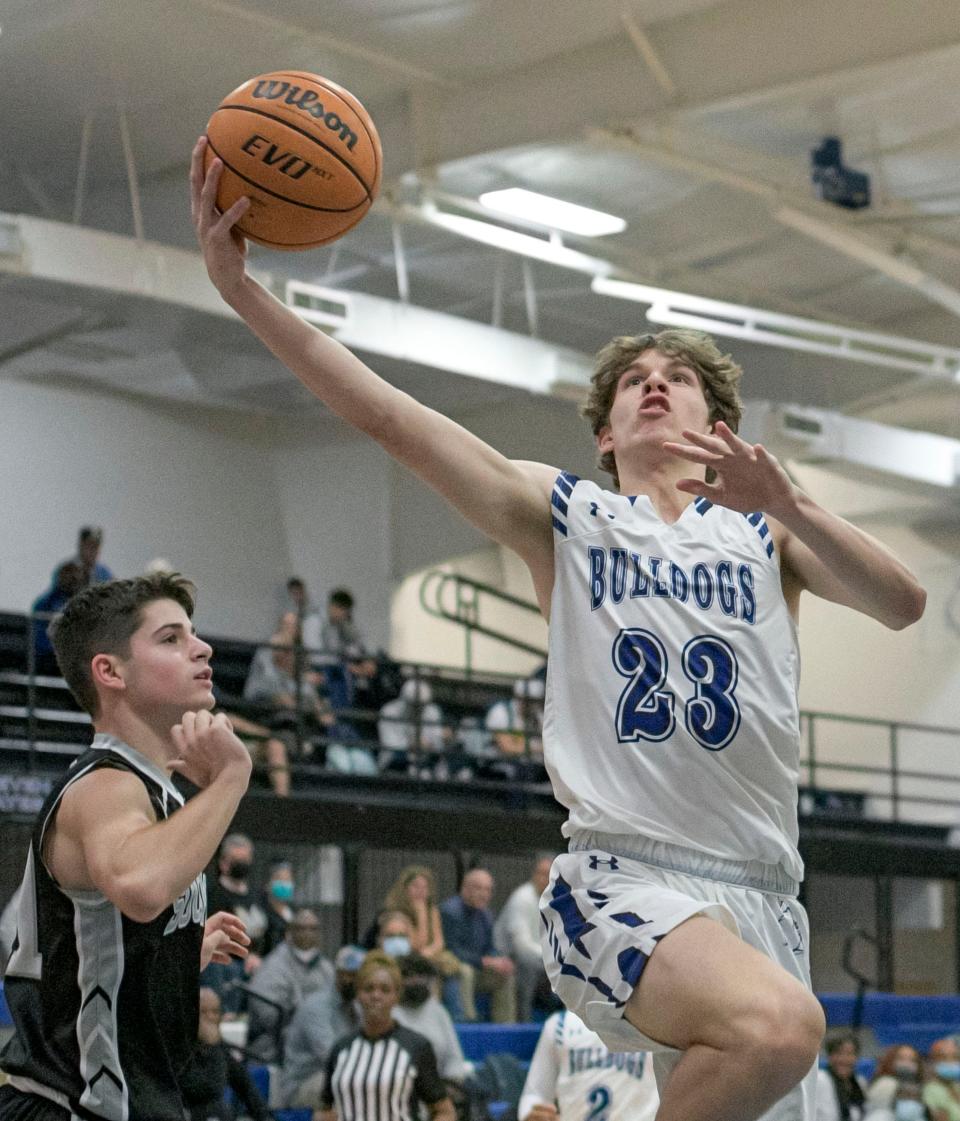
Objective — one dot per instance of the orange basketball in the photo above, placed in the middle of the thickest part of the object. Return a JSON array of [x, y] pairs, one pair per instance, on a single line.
[[303, 150]]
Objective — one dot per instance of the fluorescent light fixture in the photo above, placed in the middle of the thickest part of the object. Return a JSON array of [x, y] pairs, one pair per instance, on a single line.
[[678, 309], [551, 250], [554, 214]]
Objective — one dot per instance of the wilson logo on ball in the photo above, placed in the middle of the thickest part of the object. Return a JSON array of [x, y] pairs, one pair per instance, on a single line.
[[308, 102]]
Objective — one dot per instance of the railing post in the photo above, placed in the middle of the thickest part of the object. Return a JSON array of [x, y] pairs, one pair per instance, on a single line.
[[32, 693], [812, 741], [894, 772]]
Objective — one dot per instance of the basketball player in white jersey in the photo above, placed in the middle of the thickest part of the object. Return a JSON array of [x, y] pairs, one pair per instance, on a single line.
[[574, 1077], [671, 726]]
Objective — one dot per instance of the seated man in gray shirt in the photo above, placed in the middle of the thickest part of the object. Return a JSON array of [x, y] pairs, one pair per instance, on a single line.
[[323, 1017], [420, 1011]]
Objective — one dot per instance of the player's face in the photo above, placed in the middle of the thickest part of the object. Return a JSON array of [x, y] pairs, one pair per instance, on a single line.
[[168, 667], [657, 397]]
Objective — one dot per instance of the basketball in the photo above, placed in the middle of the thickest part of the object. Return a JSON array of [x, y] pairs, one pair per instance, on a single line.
[[303, 150]]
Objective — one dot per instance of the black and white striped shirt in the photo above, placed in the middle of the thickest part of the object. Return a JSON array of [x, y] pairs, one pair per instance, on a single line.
[[381, 1079]]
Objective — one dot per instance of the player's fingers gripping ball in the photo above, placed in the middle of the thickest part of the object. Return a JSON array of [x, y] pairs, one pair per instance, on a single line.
[[305, 152]]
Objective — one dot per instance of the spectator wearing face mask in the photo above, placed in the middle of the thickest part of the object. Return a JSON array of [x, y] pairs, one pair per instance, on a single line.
[[899, 1064], [276, 903], [841, 1095], [322, 1018], [421, 1011], [941, 1092], [230, 891], [289, 974], [394, 933]]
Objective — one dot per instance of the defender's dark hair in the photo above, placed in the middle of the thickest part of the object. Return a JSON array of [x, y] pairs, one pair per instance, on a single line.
[[100, 620]]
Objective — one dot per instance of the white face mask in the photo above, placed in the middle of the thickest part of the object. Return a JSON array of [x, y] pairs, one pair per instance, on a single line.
[[306, 956]]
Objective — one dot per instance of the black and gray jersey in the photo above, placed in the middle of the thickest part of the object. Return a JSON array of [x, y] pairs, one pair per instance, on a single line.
[[105, 1009]]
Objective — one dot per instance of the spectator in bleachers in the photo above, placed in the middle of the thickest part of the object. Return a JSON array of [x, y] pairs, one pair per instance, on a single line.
[[212, 1069], [277, 898], [342, 654], [898, 1064], [272, 679], [468, 932], [263, 745], [841, 1094], [297, 599], [395, 932], [65, 584], [415, 890], [516, 727], [412, 732], [87, 558], [517, 934], [322, 1018], [400, 1066], [421, 1011], [230, 891], [941, 1091], [289, 973]]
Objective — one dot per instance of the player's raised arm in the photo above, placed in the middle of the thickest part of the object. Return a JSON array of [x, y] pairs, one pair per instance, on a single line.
[[507, 500], [107, 836]]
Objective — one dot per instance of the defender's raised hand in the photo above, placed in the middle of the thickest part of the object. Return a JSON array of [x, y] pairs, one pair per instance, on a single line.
[[748, 477], [224, 249], [208, 746]]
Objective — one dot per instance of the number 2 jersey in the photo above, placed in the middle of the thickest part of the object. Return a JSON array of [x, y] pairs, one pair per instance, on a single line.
[[573, 1068], [105, 1009], [673, 671]]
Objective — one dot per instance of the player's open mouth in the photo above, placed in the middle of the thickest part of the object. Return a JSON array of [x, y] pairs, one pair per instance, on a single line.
[[207, 675], [655, 401]]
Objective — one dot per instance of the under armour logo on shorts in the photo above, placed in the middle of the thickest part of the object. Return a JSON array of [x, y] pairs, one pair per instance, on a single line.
[[596, 861]]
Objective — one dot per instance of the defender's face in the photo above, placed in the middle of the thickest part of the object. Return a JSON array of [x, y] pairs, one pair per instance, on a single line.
[[168, 665], [657, 397]]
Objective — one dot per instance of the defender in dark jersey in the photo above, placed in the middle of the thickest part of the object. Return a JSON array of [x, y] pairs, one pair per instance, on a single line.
[[111, 923]]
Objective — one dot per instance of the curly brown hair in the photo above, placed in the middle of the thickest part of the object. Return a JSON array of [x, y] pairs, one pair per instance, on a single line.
[[718, 373]]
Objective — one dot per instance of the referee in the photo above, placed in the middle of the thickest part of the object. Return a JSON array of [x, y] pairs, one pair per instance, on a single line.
[[382, 1072]]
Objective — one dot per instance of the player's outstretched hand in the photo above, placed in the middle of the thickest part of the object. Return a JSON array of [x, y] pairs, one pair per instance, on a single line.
[[207, 747], [224, 249], [224, 936], [748, 477]]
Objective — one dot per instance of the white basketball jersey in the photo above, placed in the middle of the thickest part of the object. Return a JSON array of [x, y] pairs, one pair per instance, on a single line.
[[573, 1068], [673, 671]]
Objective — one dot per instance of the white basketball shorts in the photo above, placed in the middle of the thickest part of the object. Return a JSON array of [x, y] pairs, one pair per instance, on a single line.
[[604, 912]]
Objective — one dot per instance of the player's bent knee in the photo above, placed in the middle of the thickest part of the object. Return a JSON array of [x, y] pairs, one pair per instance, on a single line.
[[782, 1038]]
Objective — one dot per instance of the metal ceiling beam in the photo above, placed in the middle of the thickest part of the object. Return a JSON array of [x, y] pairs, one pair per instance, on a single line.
[[769, 52]]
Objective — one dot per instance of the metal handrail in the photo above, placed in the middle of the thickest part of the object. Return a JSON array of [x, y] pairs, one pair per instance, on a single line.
[[466, 612]]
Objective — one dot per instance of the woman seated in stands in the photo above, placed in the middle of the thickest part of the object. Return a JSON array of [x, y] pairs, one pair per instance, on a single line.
[[841, 1095], [387, 1052], [899, 1066], [414, 895]]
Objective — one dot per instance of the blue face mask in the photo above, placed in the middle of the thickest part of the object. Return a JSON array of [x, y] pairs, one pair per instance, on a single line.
[[948, 1070], [281, 889], [396, 945], [909, 1109]]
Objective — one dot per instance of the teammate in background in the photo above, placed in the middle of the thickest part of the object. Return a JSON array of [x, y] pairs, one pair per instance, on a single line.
[[573, 1077], [112, 932], [671, 729]]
